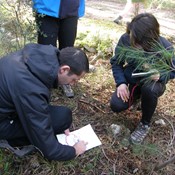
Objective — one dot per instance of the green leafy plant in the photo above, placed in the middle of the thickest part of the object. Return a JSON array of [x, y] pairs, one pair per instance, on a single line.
[[17, 26]]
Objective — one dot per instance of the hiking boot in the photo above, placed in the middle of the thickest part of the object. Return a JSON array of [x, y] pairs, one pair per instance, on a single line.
[[139, 134], [68, 91], [118, 20]]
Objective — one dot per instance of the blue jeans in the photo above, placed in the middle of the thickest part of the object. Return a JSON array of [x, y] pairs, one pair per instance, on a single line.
[[12, 130], [149, 95]]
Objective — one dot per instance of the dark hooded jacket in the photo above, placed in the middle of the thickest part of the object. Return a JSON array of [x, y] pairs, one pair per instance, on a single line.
[[26, 78], [123, 73]]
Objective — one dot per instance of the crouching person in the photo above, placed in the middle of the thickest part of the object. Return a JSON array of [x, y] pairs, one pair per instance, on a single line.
[[142, 35], [26, 117]]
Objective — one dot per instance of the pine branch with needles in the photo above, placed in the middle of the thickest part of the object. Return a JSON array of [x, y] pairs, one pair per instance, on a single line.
[[159, 60]]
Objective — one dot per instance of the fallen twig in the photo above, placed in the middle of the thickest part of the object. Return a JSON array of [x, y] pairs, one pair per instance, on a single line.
[[173, 132], [107, 157], [93, 106], [158, 167]]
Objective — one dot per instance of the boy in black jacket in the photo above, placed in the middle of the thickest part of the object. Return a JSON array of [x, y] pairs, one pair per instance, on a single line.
[[26, 117]]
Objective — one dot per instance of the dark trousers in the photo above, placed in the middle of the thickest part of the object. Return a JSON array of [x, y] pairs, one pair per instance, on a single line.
[[12, 130], [149, 95], [51, 30]]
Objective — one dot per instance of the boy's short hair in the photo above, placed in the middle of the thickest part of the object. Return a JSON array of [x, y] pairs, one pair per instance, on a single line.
[[143, 30], [75, 58]]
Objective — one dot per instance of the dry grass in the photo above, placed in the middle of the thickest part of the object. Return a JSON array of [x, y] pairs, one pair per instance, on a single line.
[[116, 155], [91, 105]]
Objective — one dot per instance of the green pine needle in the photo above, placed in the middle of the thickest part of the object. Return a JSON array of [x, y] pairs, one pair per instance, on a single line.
[[159, 59]]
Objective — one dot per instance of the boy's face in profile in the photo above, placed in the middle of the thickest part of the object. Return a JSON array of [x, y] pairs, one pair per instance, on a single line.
[[64, 77]]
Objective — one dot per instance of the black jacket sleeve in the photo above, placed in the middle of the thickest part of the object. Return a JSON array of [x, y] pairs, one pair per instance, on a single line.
[[30, 97], [118, 67]]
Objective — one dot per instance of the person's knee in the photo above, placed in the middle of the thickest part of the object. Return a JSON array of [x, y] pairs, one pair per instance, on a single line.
[[67, 116], [155, 89], [61, 117], [146, 91], [117, 105], [117, 108]]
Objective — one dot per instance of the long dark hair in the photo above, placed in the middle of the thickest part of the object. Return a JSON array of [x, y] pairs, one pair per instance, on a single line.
[[143, 30]]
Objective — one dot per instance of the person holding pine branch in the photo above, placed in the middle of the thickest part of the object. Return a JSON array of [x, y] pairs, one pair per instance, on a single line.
[[142, 36]]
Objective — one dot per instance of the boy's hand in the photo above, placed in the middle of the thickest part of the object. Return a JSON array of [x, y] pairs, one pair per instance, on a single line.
[[80, 147], [67, 132]]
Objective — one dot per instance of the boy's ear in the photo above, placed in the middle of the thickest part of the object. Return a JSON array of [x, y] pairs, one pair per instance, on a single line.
[[64, 69]]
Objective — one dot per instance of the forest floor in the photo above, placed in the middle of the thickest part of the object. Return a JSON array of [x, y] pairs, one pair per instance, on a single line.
[[109, 9], [116, 156]]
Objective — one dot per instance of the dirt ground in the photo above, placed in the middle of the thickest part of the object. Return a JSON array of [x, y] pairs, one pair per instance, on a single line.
[[109, 9], [91, 106]]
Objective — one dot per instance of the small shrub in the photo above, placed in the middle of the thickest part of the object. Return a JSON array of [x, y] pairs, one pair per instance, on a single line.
[[16, 27]]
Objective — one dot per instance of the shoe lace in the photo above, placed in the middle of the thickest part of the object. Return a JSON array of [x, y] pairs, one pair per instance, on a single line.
[[141, 132]]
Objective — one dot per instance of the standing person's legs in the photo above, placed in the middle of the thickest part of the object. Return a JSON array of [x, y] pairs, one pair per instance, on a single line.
[[67, 32], [48, 28], [66, 37], [128, 7]]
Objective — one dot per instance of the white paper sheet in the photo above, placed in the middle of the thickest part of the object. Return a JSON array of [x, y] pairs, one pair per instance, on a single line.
[[85, 133]]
